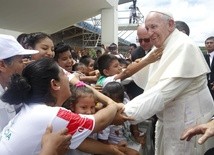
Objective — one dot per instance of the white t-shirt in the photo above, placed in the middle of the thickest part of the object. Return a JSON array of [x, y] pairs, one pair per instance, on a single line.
[[7, 111], [78, 152], [23, 134], [110, 79], [116, 134]]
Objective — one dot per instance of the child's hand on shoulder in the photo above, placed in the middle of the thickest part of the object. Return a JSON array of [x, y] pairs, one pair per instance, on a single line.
[[154, 55]]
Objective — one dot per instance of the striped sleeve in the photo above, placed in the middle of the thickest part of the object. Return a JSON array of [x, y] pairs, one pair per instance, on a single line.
[[79, 126]]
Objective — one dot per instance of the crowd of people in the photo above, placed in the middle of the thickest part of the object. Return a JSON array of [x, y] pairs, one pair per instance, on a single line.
[[57, 103]]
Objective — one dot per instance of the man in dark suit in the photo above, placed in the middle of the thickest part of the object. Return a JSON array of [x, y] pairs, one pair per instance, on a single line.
[[209, 44], [137, 53], [145, 46]]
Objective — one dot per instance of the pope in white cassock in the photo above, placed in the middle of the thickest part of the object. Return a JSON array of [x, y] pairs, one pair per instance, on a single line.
[[176, 90]]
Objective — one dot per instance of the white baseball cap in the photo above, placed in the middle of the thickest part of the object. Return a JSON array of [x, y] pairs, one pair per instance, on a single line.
[[10, 47]]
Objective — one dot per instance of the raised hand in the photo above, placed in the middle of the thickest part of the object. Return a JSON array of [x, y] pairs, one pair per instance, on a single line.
[[154, 55]]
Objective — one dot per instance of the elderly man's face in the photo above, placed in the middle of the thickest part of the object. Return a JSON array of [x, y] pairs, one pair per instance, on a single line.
[[144, 39], [158, 27], [12, 66], [16, 66]]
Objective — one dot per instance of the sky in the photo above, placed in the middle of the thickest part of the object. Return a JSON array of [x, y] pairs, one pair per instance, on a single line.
[[198, 14]]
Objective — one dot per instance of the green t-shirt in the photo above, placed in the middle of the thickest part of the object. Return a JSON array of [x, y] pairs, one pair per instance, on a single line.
[[101, 80]]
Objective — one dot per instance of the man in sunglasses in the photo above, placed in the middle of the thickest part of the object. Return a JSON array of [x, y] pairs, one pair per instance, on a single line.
[[144, 41], [145, 46]]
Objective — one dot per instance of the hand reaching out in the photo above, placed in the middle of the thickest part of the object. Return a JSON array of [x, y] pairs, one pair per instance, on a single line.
[[154, 55], [207, 130]]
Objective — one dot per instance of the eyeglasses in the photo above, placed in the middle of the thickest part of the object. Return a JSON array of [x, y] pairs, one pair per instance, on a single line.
[[146, 40]]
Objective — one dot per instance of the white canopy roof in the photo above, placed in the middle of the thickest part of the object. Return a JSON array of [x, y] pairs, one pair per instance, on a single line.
[[48, 15]]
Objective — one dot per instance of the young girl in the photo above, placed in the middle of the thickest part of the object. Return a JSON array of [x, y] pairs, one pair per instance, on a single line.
[[82, 102], [83, 99]]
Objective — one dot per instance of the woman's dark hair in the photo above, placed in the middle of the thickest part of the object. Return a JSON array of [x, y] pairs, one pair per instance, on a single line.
[[34, 84], [114, 90], [22, 39], [34, 38], [60, 48]]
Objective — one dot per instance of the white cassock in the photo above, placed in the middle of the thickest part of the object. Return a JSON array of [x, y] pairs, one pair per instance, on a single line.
[[177, 93]]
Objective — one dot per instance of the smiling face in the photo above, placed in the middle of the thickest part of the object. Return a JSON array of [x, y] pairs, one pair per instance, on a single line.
[[65, 60], [144, 38], [45, 48], [159, 27]]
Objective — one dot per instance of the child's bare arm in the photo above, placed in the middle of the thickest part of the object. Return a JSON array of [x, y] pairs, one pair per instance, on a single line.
[[138, 65], [96, 147]]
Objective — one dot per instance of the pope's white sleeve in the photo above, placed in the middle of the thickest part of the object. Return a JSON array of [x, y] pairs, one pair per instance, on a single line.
[[154, 100]]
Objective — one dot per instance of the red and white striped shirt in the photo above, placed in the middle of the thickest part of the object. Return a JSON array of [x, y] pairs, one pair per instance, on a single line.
[[23, 134]]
